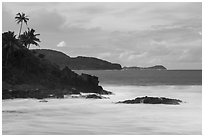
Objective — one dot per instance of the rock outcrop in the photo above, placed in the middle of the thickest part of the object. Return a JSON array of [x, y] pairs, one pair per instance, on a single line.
[[94, 96], [152, 100]]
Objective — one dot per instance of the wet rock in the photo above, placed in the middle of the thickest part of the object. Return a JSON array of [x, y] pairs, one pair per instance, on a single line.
[[105, 92], [12, 111], [43, 100], [152, 100], [94, 96], [76, 96]]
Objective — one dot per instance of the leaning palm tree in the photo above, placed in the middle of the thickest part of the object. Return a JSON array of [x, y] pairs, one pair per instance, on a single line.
[[20, 18], [9, 44], [29, 38]]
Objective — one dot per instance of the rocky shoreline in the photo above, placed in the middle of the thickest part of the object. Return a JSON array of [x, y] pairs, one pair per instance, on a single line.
[[48, 93], [42, 95]]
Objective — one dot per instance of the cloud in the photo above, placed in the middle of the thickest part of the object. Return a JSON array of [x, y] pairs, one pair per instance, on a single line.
[[104, 55], [113, 16], [61, 44], [8, 21], [47, 21], [132, 34]]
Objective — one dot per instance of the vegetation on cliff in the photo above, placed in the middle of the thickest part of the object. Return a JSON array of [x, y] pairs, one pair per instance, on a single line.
[[26, 75], [77, 63]]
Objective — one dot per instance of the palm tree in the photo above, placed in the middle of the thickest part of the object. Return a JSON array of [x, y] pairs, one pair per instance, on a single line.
[[29, 37], [20, 18], [9, 44]]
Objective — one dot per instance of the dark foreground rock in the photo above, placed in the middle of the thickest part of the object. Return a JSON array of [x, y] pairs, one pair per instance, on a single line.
[[89, 96], [152, 100], [43, 100], [37, 94], [94, 96], [42, 94]]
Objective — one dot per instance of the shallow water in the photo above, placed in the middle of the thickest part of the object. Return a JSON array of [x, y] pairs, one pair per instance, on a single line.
[[90, 116]]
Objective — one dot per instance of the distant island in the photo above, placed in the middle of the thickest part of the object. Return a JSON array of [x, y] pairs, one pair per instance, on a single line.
[[76, 63], [156, 67]]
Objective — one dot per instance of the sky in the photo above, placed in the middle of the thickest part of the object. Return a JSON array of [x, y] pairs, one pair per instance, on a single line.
[[131, 34]]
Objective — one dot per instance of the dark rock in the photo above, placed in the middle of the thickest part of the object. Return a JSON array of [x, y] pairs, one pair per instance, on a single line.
[[77, 96], [94, 96], [74, 92], [68, 73], [37, 93], [90, 79], [43, 100], [152, 100], [105, 92]]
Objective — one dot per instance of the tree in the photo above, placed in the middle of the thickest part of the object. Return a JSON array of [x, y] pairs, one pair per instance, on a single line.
[[9, 45], [20, 18], [29, 37], [41, 56]]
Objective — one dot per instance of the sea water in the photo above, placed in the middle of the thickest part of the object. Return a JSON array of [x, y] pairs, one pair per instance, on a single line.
[[100, 117]]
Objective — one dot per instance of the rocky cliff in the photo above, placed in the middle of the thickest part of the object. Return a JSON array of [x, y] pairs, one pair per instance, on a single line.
[[26, 75]]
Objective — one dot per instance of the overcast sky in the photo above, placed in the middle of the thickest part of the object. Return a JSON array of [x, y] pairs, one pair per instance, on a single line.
[[132, 34]]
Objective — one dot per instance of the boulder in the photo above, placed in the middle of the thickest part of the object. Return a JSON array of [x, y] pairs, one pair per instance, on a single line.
[[105, 92], [43, 100], [152, 100]]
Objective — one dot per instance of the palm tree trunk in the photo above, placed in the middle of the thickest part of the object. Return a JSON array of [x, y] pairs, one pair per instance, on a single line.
[[6, 59], [20, 30]]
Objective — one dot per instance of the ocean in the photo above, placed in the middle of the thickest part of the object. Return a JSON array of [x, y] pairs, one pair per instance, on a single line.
[[71, 116]]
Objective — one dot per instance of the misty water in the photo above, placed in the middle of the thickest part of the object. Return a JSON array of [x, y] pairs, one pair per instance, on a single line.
[[95, 116]]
